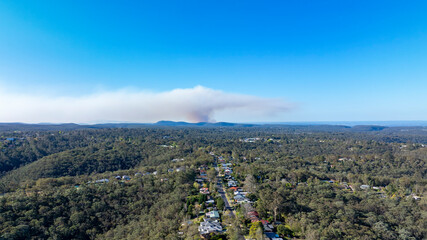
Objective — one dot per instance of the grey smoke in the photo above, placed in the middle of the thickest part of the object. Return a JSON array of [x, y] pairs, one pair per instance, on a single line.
[[198, 104]]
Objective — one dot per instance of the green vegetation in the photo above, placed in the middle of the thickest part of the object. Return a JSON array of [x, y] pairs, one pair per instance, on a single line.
[[143, 208], [309, 182]]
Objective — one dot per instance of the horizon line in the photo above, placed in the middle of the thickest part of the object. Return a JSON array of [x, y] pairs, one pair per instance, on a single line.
[[394, 123]]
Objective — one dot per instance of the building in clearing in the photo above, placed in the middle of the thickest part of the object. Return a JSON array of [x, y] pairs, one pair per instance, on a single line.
[[212, 214]]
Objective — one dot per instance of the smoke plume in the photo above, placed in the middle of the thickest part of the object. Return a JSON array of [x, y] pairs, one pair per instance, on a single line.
[[198, 104]]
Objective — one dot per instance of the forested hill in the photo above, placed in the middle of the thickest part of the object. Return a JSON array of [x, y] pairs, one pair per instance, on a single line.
[[140, 182], [19, 148], [290, 127]]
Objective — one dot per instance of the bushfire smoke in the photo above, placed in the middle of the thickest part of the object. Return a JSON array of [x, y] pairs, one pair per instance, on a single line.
[[198, 104]]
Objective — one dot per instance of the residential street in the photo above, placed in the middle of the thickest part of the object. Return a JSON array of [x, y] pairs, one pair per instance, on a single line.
[[221, 191]]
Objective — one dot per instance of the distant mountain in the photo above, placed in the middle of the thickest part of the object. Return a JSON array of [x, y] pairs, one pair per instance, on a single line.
[[172, 123], [203, 124], [39, 127], [354, 123], [361, 127], [367, 128]]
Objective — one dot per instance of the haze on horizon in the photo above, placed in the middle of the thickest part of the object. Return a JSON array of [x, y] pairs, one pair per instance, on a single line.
[[91, 62]]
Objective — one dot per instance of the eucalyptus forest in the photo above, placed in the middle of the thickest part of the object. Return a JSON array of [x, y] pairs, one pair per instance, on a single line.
[[213, 182]]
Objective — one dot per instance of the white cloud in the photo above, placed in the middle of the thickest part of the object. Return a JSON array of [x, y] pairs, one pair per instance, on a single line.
[[193, 104]]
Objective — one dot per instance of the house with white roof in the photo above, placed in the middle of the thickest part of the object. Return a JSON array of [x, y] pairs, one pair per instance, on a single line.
[[207, 227]]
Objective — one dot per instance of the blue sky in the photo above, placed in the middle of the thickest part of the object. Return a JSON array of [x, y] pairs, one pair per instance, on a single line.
[[324, 60]]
